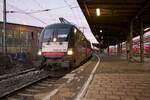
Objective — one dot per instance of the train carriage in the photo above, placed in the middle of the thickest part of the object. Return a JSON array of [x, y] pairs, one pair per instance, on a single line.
[[136, 45]]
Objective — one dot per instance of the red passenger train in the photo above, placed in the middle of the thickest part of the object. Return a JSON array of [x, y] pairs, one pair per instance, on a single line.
[[136, 45]]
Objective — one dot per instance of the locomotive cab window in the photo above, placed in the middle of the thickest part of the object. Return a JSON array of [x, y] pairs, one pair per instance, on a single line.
[[61, 34], [48, 34]]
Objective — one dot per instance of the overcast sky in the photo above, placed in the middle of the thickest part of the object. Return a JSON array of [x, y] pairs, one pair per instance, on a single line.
[[28, 12]]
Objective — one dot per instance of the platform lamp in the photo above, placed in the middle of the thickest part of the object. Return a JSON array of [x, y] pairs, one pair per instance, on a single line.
[[98, 13]]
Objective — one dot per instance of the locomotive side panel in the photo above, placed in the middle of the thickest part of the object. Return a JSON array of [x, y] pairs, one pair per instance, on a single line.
[[82, 47]]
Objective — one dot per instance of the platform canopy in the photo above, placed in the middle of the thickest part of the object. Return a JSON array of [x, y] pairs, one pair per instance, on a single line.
[[113, 24]]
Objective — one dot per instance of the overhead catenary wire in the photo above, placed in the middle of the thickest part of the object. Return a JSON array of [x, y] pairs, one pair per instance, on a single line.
[[29, 12], [41, 7], [71, 10], [35, 11], [51, 9], [23, 12], [38, 3]]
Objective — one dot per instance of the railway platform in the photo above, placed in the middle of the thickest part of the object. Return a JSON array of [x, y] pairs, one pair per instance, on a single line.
[[113, 79]]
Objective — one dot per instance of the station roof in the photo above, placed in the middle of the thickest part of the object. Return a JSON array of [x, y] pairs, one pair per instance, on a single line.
[[115, 18]]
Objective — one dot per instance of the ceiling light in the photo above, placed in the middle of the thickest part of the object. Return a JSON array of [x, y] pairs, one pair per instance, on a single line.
[[146, 29], [98, 12], [101, 31]]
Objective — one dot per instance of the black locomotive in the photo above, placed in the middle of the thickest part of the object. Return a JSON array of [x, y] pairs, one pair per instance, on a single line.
[[63, 44]]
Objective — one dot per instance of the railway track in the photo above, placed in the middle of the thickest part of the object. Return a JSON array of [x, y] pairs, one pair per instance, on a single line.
[[12, 84], [6, 76], [30, 92], [18, 81], [32, 88]]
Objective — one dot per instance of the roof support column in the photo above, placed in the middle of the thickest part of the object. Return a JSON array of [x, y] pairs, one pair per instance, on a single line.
[[130, 42], [141, 43], [127, 48], [108, 51], [119, 49]]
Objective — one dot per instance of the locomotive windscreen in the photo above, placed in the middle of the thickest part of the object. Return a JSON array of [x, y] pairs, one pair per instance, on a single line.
[[60, 33]]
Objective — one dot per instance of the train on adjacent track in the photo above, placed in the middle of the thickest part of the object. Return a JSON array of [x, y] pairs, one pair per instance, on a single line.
[[136, 45], [63, 44], [19, 38]]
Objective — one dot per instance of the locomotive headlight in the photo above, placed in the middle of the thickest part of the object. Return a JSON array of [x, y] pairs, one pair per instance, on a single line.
[[39, 52], [70, 51], [54, 39]]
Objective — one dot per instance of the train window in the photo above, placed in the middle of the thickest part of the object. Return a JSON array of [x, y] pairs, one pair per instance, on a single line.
[[16, 37], [75, 30], [81, 37], [60, 33], [32, 35], [77, 35], [48, 33], [23, 38], [9, 38], [63, 34]]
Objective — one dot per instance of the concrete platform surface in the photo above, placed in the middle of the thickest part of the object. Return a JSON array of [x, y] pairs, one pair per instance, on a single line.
[[114, 79]]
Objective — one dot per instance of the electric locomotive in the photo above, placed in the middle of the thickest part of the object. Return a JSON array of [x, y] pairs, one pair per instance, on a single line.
[[63, 44]]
